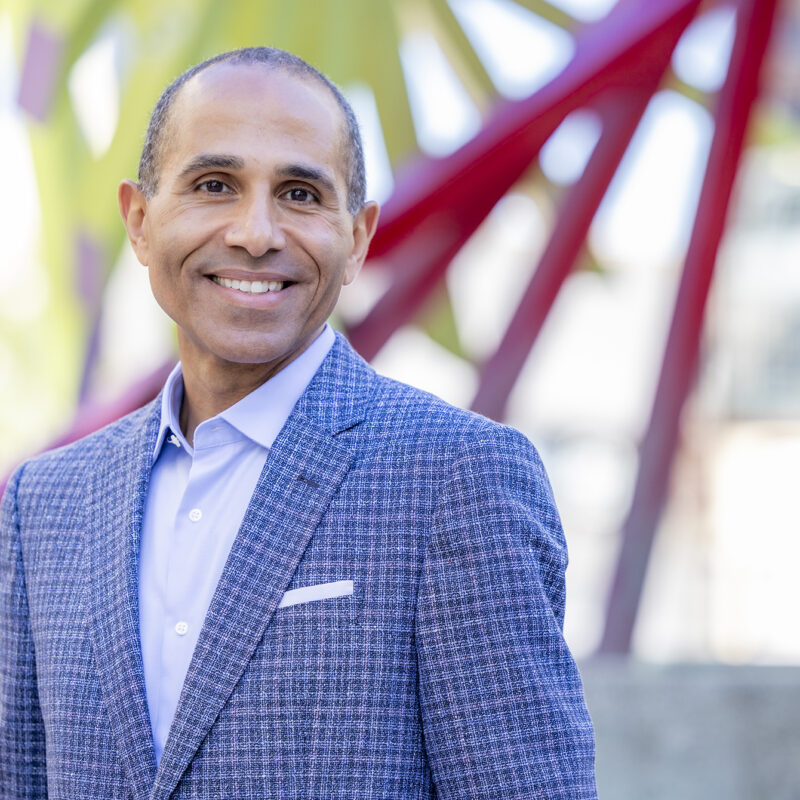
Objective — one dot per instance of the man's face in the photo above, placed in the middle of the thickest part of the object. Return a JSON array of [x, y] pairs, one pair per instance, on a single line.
[[248, 239]]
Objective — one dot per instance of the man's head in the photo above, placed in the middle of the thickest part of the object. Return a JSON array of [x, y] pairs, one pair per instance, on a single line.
[[158, 131], [252, 223]]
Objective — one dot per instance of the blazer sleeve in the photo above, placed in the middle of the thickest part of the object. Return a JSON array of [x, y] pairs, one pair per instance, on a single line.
[[22, 739], [502, 703]]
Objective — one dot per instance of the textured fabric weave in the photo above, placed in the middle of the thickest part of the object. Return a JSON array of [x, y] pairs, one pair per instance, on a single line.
[[444, 674]]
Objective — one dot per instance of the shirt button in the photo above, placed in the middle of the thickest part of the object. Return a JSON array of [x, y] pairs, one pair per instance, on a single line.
[[195, 515], [182, 628]]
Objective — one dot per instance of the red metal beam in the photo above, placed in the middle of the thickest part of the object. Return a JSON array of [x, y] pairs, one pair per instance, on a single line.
[[439, 204], [620, 115], [659, 444]]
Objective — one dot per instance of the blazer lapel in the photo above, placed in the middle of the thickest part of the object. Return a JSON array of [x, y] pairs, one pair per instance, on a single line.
[[303, 470], [115, 515]]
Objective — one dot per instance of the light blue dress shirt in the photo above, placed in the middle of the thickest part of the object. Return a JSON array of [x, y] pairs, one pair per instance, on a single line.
[[195, 504]]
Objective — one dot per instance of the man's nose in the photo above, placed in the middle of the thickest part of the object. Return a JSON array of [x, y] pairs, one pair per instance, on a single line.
[[256, 227]]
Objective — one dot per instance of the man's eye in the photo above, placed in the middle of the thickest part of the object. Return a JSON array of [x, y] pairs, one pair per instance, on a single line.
[[300, 195], [214, 187]]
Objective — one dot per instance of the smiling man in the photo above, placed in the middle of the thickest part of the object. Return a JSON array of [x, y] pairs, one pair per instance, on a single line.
[[287, 577]]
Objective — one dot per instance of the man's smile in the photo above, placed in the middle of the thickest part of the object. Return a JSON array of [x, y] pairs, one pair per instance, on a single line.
[[250, 287]]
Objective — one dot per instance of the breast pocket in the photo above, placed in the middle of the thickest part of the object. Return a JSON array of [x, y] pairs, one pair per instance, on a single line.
[[331, 605], [316, 592]]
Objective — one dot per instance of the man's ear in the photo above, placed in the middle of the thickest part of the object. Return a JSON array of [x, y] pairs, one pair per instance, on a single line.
[[133, 208], [364, 225]]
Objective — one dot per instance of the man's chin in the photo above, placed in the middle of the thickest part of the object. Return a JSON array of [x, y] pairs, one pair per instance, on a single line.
[[257, 352]]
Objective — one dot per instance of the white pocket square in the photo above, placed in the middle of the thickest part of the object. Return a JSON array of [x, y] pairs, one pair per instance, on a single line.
[[321, 591]]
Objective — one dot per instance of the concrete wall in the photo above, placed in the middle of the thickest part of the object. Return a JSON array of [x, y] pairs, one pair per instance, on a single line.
[[695, 732]]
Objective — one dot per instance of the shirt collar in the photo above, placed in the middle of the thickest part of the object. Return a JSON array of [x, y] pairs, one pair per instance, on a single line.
[[259, 415], [171, 398]]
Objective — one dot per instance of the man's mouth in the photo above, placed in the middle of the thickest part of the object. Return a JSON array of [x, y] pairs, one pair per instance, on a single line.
[[250, 287]]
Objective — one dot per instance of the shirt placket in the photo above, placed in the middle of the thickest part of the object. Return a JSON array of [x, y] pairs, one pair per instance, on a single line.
[[182, 620]]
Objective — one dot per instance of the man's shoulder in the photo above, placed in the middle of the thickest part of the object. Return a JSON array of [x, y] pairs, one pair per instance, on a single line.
[[410, 415], [406, 403], [421, 420]]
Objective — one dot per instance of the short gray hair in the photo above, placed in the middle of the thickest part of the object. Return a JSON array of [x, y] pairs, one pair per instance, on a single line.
[[149, 163]]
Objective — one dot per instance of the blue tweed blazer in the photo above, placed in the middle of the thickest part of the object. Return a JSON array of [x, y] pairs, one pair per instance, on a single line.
[[444, 674]]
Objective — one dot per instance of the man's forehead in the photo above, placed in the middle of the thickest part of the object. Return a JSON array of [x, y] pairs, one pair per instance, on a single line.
[[256, 79], [225, 91]]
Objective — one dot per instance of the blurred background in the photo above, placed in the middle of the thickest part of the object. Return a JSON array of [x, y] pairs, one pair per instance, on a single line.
[[590, 231]]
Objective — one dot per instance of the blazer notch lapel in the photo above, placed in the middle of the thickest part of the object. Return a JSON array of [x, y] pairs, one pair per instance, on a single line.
[[337, 398]]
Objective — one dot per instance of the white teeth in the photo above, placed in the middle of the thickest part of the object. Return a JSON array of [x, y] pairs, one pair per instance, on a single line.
[[249, 287]]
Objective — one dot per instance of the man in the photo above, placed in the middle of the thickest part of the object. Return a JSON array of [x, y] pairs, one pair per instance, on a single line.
[[287, 577]]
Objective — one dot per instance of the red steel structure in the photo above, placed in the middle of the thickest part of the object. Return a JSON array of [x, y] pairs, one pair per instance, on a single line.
[[618, 65]]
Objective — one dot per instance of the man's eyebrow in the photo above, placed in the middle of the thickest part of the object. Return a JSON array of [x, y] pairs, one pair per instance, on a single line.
[[207, 161], [308, 174]]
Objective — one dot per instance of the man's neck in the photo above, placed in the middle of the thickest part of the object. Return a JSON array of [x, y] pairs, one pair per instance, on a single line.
[[211, 384], [205, 396]]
